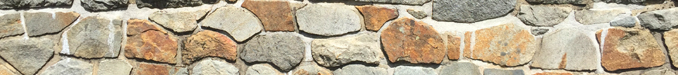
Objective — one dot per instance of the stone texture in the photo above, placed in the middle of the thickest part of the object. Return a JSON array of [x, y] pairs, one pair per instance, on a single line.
[[539, 30], [567, 48], [311, 70], [10, 24], [8, 70], [627, 48], [460, 68], [624, 22], [114, 67], [208, 44], [172, 3], [39, 23], [553, 73], [359, 70], [561, 1], [152, 69], [419, 14], [336, 19], [68, 66], [274, 15], [506, 45], [543, 16], [588, 17], [660, 19], [214, 67], [407, 2], [413, 41], [411, 70], [453, 44], [335, 52], [503, 72], [94, 37], [27, 56], [101, 5], [284, 50], [261, 69], [178, 20], [147, 41], [624, 1], [671, 41], [376, 16], [241, 26], [467, 11], [18, 4]]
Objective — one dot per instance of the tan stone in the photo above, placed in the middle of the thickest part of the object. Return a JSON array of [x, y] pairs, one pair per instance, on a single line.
[[376, 16], [208, 44], [453, 44], [506, 45], [147, 41], [671, 41], [413, 41], [152, 69], [275, 15], [627, 48]]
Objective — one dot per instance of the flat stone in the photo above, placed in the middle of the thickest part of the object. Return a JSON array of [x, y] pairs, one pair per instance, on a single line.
[[543, 16], [468, 11], [214, 67], [624, 22], [68, 66], [27, 56], [274, 15], [419, 14], [336, 19], [376, 16], [147, 41], [660, 19], [624, 1], [412, 41], [567, 48], [208, 44], [671, 41], [588, 17], [172, 3], [102, 5], [506, 45], [241, 26], [561, 1], [152, 69], [412, 70], [284, 50], [503, 72], [407, 2], [311, 70], [460, 68], [19, 4], [114, 67], [335, 52], [453, 44], [39, 23], [95, 37], [10, 24], [354, 69], [627, 48], [261, 69], [178, 20]]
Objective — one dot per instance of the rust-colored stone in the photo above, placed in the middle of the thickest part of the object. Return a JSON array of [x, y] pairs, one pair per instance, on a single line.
[[376, 16], [467, 44], [274, 15], [453, 44], [146, 41], [506, 45], [208, 44], [554, 73], [627, 48], [151, 69], [413, 41]]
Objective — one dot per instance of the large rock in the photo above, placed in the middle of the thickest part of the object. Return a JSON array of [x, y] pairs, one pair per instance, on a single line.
[[567, 48], [411, 70], [413, 41], [581, 2], [261, 69], [284, 50], [311, 70], [18, 4], [94, 37], [10, 24], [543, 15], [503, 72], [376, 16], [408, 2], [453, 46], [39, 23], [214, 67], [208, 44], [660, 19], [241, 26], [27, 56], [671, 41], [460, 68], [359, 70], [147, 41], [101, 5], [506, 45], [178, 20], [114, 67], [335, 52], [328, 19], [172, 3], [467, 11], [274, 15], [588, 17], [69, 66], [627, 48]]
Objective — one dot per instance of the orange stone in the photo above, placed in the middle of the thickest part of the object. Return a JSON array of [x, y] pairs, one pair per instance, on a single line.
[[208, 44], [506, 45], [453, 43], [628, 48], [274, 15], [376, 16], [413, 41], [146, 41], [151, 69]]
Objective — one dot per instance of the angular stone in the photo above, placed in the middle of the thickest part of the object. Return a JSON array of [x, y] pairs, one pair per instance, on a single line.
[[68, 66], [39, 23], [413, 41], [671, 41], [624, 22], [567, 48], [172, 3], [27, 56], [503, 72], [147, 41], [588, 17], [417, 13], [660, 19], [241, 26], [311, 70], [178, 20], [94, 37], [336, 19], [376, 16], [359, 70], [453, 44], [335, 52], [214, 67], [284, 50], [114, 67], [151, 69], [627, 48], [10, 24], [624, 1], [561, 1], [407, 2], [8, 71], [101, 5], [411, 70], [208, 44], [553, 73], [543, 16], [460, 68], [506, 45], [18, 4], [261, 69], [467, 11], [275, 15], [659, 71], [539, 30]]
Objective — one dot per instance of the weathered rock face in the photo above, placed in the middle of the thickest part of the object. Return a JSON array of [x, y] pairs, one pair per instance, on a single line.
[[507, 45], [561, 1], [503, 72], [95, 37], [241, 26], [335, 52], [284, 50], [39, 23], [467, 11], [275, 15], [261, 69], [360, 70], [10, 24], [410, 70], [624, 22], [69, 66], [172, 3], [376, 16], [152, 69], [114, 67], [413, 41], [147, 41], [336, 19], [27, 56], [671, 41], [588, 17], [311, 70], [214, 67], [208, 44], [460, 68], [178, 20], [569, 49], [101, 5], [626, 48], [553, 73], [660, 19], [7, 69], [408, 2], [543, 15], [453, 44], [8, 4], [419, 14], [625, 1]]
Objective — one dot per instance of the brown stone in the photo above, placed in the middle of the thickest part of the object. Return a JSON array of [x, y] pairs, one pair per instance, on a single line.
[[147, 41], [208, 44], [671, 41], [413, 41], [628, 48], [453, 44], [152, 69], [275, 15], [506, 45], [553, 73], [376, 16]]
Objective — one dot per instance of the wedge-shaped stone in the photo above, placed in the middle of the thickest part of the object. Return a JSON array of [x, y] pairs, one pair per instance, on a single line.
[[147, 41], [94, 37], [627, 48], [335, 52], [241, 26], [567, 48], [39, 23], [328, 19], [208, 44], [412, 41], [506, 44], [27, 55]]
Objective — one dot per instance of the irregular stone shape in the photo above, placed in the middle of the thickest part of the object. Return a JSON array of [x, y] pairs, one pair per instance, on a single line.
[[503, 72], [453, 44], [18, 4], [627, 48], [241, 26], [8, 70], [417, 13], [69, 66], [101, 5], [311, 70], [561, 1], [376, 16], [660, 19], [335, 52], [208, 44], [413, 41], [260, 69], [10, 24], [359, 70], [172, 3], [27, 56], [460, 68], [624, 22], [539, 30], [336, 19], [152, 69], [467, 11], [179, 20], [624, 1], [660, 71], [408, 2], [180, 71], [506, 45], [214, 67], [39, 23], [411, 70], [94, 37], [543, 16], [114, 67], [147, 41], [553, 73], [588, 17], [284, 50], [671, 41], [275, 15], [567, 48]]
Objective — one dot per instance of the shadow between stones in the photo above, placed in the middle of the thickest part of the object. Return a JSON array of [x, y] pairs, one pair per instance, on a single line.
[[229, 35], [250, 64], [316, 36], [123, 8]]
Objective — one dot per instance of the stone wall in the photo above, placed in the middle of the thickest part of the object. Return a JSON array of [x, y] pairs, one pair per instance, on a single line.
[[338, 37]]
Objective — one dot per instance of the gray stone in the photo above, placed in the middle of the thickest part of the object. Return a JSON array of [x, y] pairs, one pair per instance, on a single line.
[[94, 37], [10, 24], [624, 22], [411, 70], [8, 4], [241, 26], [417, 13], [460, 68], [328, 19], [561, 1], [660, 19], [335, 52], [284, 50], [659, 71], [543, 15], [503, 72], [101, 5], [214, 67], [261, 69], [624, 1], [39, 23], [114, 67], [588, 17], [467, 11], [68, 66], [27, 55], [409, 2], [354, 69], [567, 48], [172, 3], [179, 20], [539, 31]]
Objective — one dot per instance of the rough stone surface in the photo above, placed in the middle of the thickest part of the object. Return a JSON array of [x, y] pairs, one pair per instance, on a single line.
[[419, 14], [178, 20], [627, 48], [10, 24], [114, 67], [408, 2], [553, 73], [95, 37], [151, 69], [39, 23], [624, 22], [588, 17], [214, 67], [8, 4], [503, 72], [27, 56], [311, 70], [543, 15], [539, 30], [336, 19], [172, 3], [506, 44], [413, 41], [561, 1], [453, 44], [335, 52], [660, 19], [460, 68], [101, 5], [261, 69], [147, 41], [208, 44], [284, 50], [241, 26], [624, 1], [671, 41], [360, 70], [69, 66], [376, 16], [567, 48], [275, 15], [410, 70], [467, 11]]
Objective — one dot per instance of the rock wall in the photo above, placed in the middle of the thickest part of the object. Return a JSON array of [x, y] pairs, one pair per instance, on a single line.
[[338, 37]]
